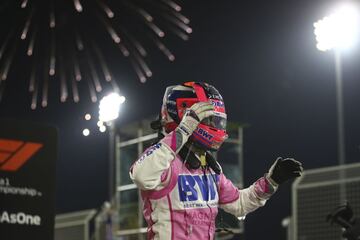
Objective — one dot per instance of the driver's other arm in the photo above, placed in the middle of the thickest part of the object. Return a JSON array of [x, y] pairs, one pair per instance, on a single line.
[[242, 202]]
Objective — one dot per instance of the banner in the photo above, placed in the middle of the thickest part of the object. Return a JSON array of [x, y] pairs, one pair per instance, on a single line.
[[28, 154]]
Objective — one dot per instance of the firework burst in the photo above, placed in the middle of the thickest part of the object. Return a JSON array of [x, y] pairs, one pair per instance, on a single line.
[[67, 43]]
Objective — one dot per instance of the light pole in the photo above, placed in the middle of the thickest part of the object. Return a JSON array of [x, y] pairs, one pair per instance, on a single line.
[[109, 109], [337, 32]]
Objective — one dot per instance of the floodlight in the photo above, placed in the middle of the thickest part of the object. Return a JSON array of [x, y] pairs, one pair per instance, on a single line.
[[339, 30], [110, 106]]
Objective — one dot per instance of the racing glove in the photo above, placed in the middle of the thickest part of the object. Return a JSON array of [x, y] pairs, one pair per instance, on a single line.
[[191, 119], [194, 115], [283, 170]]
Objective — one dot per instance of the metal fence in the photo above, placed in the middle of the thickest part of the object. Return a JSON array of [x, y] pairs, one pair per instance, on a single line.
[[316, 194], [74, 225]]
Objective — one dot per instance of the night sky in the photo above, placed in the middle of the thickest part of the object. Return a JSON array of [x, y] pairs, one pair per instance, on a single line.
[[260, 55]]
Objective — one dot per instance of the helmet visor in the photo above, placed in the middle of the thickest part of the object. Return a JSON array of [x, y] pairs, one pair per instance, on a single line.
[[217, 121]]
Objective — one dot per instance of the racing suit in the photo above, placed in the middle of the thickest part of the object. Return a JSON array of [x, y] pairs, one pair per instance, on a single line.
[[182, 203]]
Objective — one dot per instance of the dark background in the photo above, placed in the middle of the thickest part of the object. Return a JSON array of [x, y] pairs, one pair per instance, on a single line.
[[262, 57]]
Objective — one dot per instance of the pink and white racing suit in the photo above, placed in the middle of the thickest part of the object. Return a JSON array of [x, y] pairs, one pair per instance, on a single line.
[[182, 203]]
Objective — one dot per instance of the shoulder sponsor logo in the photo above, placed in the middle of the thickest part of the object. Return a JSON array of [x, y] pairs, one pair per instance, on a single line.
[[20, 218], [15, 153], [148, 152]]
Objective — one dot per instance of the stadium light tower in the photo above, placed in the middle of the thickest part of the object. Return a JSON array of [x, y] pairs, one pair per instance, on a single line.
[[109, 109], [110, 106], [338, 32]]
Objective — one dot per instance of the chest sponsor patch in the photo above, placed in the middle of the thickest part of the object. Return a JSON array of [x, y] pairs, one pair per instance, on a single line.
[[200, 188]]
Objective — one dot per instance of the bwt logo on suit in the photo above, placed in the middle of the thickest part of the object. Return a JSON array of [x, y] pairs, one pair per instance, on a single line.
[[205, 183]]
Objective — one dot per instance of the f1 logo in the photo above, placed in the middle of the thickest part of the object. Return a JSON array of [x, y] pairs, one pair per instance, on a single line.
[[15, 153]]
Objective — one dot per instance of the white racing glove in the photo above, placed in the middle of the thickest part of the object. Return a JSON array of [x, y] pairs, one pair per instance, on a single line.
[[191, 119]]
